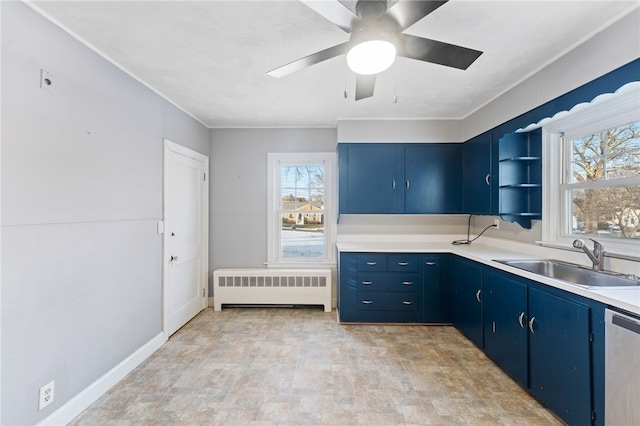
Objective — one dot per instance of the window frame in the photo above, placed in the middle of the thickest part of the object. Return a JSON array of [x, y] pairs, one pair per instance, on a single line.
[[603, 113], [274, 219]]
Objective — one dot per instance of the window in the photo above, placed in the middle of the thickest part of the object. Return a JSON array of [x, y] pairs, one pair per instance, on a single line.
[[601, 184], [301, 208], [592, 177]]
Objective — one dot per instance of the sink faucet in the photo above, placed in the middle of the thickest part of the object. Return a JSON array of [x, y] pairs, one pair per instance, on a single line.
[[596, 256]]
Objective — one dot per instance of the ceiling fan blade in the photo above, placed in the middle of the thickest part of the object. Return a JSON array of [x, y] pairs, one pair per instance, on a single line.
[[408, 12], [437, 52], [307, 61], [364, 86], [334, 12]]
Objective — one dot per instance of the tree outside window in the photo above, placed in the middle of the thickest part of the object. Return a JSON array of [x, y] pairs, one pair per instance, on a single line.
[[302, 211], [603, 183]]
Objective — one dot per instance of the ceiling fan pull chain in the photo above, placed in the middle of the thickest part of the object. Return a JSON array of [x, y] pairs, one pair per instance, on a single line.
[[346, 69], [395, 84]]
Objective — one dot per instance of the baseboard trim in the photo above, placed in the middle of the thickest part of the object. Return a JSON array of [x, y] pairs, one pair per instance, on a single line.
[[91, 393]]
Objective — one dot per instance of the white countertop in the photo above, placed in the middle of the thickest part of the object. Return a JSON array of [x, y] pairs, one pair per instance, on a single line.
[[485, 250]]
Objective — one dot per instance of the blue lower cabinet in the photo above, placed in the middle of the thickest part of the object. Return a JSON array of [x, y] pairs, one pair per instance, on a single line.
[[549, 341], [390, 287], [434, 302], [560, 356], [505, 323], [467, 299]]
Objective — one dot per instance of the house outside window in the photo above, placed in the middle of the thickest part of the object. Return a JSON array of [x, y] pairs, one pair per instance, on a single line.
[[592, 174], [301, 209]]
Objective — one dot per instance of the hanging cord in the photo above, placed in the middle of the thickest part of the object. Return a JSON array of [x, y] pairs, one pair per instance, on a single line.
[[468, 241], [395, 84]]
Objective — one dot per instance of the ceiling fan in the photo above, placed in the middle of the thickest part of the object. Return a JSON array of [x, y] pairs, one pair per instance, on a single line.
[[376, 39]]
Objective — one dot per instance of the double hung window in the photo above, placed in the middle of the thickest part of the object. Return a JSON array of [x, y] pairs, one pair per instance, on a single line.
[[592, 174], [301, 208], [601, 184]]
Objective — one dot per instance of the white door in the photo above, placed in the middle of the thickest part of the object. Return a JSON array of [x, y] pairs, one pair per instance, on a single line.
[[185, 235]]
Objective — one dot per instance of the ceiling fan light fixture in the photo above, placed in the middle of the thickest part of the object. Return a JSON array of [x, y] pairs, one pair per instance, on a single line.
[[371, 56]]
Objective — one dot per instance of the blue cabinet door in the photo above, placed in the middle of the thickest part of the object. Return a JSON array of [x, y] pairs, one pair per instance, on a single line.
[[347, 286], [479, 182], [371, 178], [467, 299], [560, 356], [431, 282], [433, 178], [505, 322]]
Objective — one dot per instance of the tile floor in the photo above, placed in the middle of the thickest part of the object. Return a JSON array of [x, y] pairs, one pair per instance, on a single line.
[[272, 366]]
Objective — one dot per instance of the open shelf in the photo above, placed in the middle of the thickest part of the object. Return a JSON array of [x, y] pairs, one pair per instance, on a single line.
[[520, 188]]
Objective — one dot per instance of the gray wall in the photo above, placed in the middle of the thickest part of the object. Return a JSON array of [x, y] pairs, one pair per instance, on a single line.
[[81, 195], [613, 47], [238, 189]]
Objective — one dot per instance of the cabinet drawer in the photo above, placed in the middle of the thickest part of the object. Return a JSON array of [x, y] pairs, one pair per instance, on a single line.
[[389, 281], [374, 301], [372, 262], [404, 262]]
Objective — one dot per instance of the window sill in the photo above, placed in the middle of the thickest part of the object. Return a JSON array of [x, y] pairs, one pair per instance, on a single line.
[[624, 251]]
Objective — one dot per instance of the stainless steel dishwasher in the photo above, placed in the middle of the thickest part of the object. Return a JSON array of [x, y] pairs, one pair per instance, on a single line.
[[622, 369]]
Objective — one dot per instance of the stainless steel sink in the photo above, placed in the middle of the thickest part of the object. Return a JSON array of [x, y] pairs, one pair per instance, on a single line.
[[575, 274]]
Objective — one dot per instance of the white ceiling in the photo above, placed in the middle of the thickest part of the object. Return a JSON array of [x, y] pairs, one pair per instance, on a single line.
[[211, 57]]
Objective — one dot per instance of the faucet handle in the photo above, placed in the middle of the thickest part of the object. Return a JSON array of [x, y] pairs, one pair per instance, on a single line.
[[597, 247]]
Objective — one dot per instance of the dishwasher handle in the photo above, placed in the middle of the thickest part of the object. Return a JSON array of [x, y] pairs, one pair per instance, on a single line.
[[626, 323]]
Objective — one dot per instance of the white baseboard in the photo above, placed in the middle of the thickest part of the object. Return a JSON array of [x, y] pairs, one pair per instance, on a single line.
[[91, 393]]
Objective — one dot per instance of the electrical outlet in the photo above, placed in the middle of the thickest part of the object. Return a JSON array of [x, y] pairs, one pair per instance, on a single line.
[[46, 395], [46, 81], [496, 223]]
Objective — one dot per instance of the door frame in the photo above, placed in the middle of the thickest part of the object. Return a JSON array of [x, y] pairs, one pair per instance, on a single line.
[[170, 146]]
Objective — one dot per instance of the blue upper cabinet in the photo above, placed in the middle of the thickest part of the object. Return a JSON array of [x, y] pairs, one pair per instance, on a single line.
[[520, 156], [399, 178], [433, 178], [371, 178], [479, 176]]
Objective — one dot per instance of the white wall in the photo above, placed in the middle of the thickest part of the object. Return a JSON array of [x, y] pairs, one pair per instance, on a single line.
[[81, 195], [238, 189]]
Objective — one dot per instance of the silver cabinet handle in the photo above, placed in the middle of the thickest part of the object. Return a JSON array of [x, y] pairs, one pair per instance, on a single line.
[[531, 325], [407, 282], [479, 295], [367, 282], [521, 320], [393, 184], [372, 263], [407, 302], [367, 302], [430, 263], [403, 263], [487, 179], [174, 258], [407, 184]]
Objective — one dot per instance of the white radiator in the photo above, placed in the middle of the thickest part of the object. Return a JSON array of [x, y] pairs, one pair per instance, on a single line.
[[272, 287]]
